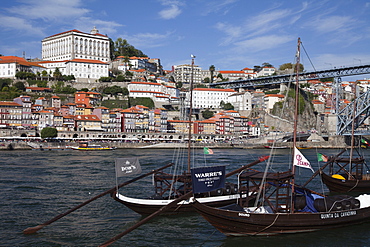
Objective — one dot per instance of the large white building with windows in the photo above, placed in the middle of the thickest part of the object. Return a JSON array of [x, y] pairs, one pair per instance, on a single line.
[[210, 98], [84, 55], [76, 44]]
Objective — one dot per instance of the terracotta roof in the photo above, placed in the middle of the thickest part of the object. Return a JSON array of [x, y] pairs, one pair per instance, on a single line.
[[138, 91], [231, 72], [76, 31], [145, 83], [79, 60], [18, 60], [87, 117], [9, 103], [215, 89], [275, 95]]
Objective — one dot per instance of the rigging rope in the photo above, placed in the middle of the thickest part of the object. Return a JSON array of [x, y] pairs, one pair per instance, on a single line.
[[308, 57]]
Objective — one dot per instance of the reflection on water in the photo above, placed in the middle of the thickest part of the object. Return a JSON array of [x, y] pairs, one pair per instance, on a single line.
[[38, 185]]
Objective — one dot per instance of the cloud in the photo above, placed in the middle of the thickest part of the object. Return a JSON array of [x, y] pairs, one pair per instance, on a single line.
[[148, 40], [215, 6], [172, 11], [16, 23], [333, 24], [261, 43], [48, 10], [85, 24]]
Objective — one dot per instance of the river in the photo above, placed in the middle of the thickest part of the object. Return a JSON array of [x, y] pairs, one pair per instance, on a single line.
[[39, 185]]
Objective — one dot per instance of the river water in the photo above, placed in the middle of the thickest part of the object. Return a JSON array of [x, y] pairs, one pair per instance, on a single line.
[[39, 185]]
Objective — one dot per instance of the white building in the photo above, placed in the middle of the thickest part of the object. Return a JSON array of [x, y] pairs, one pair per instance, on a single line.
[[210, 98], [74, 44], [156, 91], [183, 73], [84, 70], [10, 65], [266, 71], [241, 101], [271, 99]]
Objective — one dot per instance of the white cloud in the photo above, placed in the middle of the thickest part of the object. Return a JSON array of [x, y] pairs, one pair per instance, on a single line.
[[222, 6], [170, 13], [15, 23], [85, 24], [333, 24], [261, 43], [173, 9], [148, 40], [49, 9]]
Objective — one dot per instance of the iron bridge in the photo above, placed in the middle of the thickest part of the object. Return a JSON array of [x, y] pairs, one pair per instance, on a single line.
[[345, 116]]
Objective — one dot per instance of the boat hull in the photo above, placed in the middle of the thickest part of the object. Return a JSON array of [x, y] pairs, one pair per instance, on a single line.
[[149, 206], [344, 186], [241, 223]]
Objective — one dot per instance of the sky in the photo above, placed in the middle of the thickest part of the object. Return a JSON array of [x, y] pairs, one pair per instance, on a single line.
[[229, 34]]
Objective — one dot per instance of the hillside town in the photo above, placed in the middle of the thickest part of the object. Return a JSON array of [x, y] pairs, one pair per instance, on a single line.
[[84, 59]]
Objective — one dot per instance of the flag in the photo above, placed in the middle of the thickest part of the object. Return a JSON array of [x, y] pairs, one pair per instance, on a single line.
[[322, 157], [207, 151], [127, 166], [206, 179], [364, 141], [300, 160]]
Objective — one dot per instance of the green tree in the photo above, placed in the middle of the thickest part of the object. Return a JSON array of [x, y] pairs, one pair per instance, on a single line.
[[207, 114], [42, 83], [228, 106], [49, 132], [290, 66], [114, 90], [57, 74], [5, 82], [123, 48], [105, 79], [20, 86], [120, 78], [212, 70], [179, 84]]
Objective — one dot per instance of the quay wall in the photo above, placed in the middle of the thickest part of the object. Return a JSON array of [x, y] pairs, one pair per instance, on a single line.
[[335, 142]]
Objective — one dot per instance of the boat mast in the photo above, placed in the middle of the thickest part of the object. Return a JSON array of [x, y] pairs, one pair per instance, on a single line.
[[353, 129], [190, 109], [296, 98], [295, 118]]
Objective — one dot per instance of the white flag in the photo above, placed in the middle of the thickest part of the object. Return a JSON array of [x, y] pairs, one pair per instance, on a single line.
[[300, 160]]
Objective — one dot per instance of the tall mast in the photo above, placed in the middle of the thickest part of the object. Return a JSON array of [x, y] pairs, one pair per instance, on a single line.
[[353, 127], [190, 109], [296, 93], [295, 117]]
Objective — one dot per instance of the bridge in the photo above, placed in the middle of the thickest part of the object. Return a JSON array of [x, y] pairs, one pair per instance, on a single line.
[[345, 116]]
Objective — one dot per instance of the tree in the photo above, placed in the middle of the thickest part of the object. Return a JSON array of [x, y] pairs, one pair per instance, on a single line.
[[114, 90], [267, 65], [179, 84], [4, 83], [212, 70], [290, 66], [123, 48], [228, 106], [20, 86], [57, 74], [105, 79], [207, 114], [49, 132]]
